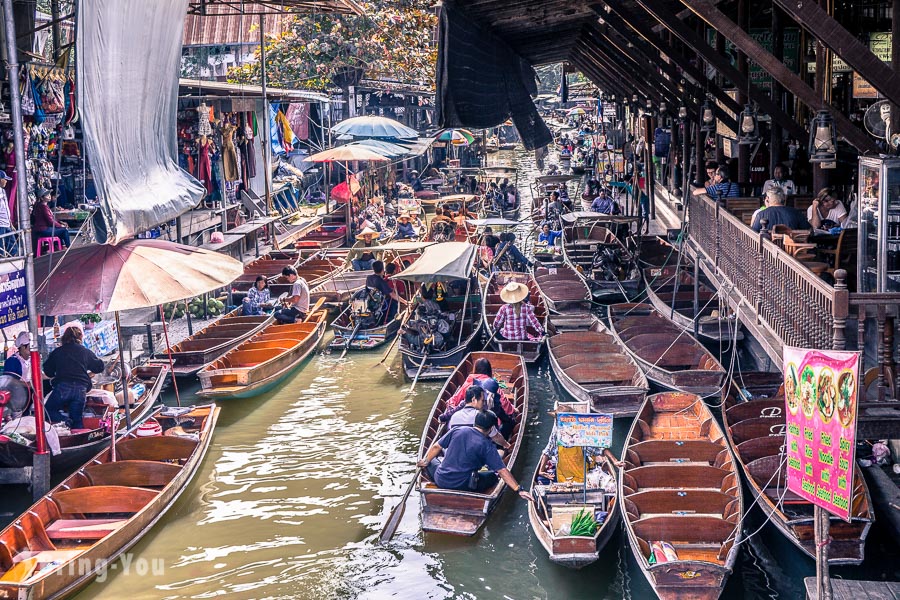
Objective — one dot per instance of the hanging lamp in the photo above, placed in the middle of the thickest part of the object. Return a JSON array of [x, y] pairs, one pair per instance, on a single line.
[[749, 126], [708, 117], [822, 138]]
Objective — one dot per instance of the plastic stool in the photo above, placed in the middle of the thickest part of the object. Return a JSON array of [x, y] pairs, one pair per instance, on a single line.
[[53, 244]]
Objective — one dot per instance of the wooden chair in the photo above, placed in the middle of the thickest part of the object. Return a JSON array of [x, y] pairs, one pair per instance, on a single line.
[[800, 251], [844, 253]]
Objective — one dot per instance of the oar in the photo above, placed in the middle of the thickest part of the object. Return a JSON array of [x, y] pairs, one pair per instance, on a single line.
[[390, 528], [313, 310], [490, 339], [350, 339], [419, 372], [397, 337]]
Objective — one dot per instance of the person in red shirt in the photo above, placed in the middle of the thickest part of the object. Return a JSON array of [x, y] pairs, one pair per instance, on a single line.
[[43, 223]]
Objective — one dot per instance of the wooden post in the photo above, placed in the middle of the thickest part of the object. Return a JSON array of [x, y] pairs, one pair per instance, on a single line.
[[840, 308], [777, 90], [696, 294], [821, 529], [895, 55]]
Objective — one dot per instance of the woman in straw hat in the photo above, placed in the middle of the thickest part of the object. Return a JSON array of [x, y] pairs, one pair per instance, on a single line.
[[366, 258], [405, 229], [517, 314]]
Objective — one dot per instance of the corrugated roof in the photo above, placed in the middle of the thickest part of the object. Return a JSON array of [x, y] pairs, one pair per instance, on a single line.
[[221, 88], [229, 29]]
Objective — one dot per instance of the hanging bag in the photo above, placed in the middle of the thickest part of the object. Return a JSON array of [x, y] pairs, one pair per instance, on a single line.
[[39, 115], [27, 93]]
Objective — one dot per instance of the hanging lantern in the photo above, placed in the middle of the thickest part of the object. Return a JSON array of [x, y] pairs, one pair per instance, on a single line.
[[634, 100], [708, 117], [649, 105], [663, 107], [822, 138], [204, 128], [749, 126], [682, 113]]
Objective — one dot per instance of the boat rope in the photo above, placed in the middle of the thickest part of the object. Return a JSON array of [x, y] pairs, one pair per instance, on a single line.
[[768, 518], [53, 268]]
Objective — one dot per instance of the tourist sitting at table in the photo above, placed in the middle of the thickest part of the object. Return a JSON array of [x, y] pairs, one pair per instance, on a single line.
[[43, 223], [405, 229], [466, 450], [779, 180], [711, 168], [70, 367], [605, 204], [722, 186], [776, 213], [514, 317], [258, 298], [826, 211]]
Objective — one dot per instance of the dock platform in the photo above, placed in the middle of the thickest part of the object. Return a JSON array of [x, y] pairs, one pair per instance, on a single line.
[[849, 589]]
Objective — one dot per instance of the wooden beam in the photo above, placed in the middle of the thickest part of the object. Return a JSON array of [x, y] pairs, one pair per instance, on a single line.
[[741, 39], [670, 20], [604, 62], [589, 67], [828, 31]]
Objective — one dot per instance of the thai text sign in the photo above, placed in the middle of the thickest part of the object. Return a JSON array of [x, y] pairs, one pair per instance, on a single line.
[[580, 430], [821, 392], [13, 304]]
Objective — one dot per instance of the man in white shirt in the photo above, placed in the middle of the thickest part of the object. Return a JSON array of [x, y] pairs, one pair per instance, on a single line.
[[9, 242], [779, 180], [298, 302]]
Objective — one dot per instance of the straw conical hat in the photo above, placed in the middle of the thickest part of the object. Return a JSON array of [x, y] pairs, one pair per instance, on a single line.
[[405, 216], [367, 231], [513, 292]]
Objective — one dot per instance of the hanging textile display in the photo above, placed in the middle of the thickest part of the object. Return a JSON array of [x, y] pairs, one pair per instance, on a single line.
[[275, 140], [298, 117], [127, 52], [203, 126]]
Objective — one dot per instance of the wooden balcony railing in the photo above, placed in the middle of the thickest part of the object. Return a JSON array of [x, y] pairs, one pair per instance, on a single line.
[[784, 298]]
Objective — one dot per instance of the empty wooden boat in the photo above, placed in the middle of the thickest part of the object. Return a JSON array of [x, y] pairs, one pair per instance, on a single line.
[[328, 236], [316, 270], [593, 367], [755, 429], [680, 489], [529, 349], [211, 342], [269, 265], [462, 512], [556, 504], [262, 361], [592, 248], [74, 533], [81, 444], [668, 354], [566, 295]]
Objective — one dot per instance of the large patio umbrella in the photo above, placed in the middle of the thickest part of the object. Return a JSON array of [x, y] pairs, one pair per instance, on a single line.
[[375, 127], [457, 137], [134, 274], [347, 153]]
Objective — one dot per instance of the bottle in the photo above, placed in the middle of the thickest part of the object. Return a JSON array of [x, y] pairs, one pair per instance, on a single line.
[[56, 329]]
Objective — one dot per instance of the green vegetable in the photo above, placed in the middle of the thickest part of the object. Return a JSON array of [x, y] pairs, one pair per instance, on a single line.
[[583, 524]]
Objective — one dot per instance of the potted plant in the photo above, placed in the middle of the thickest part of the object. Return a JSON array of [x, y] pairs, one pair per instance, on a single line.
[[89, 320]]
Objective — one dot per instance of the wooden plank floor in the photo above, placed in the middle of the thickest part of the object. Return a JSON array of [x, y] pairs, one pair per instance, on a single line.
[[847, 589]]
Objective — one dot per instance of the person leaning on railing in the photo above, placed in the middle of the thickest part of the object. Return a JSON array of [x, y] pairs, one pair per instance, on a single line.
[[722, 186]]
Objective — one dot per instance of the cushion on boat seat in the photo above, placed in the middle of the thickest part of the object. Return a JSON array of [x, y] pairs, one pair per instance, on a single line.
[[83, 529]]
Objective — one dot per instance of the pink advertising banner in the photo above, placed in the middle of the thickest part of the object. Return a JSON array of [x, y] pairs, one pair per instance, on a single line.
[[821, 398]]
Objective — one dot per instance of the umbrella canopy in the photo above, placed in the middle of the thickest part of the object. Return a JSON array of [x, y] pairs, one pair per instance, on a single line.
[[457, 198], [134, 274], [347, 153], [441, 262], [375, 127], [382, 147], [576, 111], [457, 137]]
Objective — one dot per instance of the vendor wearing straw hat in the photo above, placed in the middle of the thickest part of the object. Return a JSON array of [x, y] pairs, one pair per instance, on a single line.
[[405, 229], [365, 260], [517, 314]]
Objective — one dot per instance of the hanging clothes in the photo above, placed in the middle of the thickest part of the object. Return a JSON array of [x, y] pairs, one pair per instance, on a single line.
[[204, 165], [250, 134], [11, 187], [284, 128], [298, 116], [229, 153], [275, 139]]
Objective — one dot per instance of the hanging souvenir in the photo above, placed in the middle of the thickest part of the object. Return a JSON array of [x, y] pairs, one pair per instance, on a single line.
[[38, 109], [70, 101], [204, 128], [52, 97], [27, 95]]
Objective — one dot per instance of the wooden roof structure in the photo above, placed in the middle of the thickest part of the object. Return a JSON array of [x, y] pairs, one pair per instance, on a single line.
[[209, 8]]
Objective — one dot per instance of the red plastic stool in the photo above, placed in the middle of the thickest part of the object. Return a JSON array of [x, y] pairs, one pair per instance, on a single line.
[[53, 244]]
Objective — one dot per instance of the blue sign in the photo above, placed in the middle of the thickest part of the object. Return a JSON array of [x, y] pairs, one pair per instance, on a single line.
[[584, 430], [13, 302]]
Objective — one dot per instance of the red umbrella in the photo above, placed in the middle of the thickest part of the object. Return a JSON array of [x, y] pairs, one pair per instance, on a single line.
[[346, 189]]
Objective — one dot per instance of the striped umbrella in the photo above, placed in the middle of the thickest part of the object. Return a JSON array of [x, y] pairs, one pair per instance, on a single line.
[[457, 137]]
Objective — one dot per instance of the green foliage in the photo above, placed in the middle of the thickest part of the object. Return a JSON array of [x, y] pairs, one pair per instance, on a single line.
[[392, 41], [90, 318]]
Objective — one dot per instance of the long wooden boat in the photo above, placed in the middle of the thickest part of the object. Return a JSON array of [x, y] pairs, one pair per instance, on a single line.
[[71, 535], [592, 367], [263, 361], [587, 235], [567, 296], [193, 353], [755, 429], [466, 329], [462, 512], [680, 486], [269, 265], [315, 270], [556, 504], [341, 287], [491, 303], [669, 355], [84, 443]]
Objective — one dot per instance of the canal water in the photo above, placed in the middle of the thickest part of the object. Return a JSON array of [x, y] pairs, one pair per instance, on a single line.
[[298, 482]]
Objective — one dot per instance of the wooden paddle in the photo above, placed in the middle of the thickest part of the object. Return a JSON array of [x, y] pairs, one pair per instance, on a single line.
[[390, 527], [314, 309], [350, 339], [419, 372], [399, 331], [490, 339]]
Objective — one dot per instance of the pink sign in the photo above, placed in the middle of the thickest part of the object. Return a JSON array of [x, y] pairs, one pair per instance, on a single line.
[[821, 396]]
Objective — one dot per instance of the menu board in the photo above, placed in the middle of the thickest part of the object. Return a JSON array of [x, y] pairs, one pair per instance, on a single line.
[[584, 430], [821, 390]]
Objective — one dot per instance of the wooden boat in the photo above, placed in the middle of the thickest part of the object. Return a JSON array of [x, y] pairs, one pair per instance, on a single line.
[[669, 355], [75, 532], [755, 429], [192, 354], [592, 367], [567, 296], [328, 236], [529, 349], [453, 202], [462, 512], [315, 270], [588, 235], [84, 443], [268, 266], [555, 506], [340, 288], [680, 485], [263, 361]]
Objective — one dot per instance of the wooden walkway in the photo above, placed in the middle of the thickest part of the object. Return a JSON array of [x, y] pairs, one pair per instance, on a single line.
[[848, 589]]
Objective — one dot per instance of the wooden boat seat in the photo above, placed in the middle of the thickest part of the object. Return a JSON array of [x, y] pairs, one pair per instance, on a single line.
[[668, 502], [604, 373], [759, 447], [699, 552], [156, 448], [656, 451], [582, 350], [83, 529], [750, 429], [132, 473], [754, 409], [102, 499], [677, 476], [686, 530]]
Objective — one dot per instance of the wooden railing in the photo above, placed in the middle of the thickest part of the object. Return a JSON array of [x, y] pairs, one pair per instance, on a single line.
[[788, 300]]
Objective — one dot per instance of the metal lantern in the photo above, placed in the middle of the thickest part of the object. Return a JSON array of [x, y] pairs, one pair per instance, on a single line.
[[634, 100], [708, 117], [749, 126], [822, 138], [663, 107], [682, 112]]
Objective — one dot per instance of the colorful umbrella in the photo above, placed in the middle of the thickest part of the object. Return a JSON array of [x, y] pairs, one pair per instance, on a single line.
[[457, 137], [347, 153], [375, 127], [576, 111], [345, 189]]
